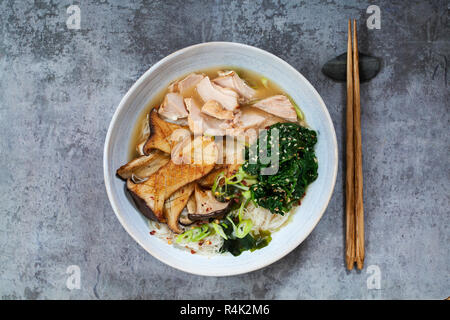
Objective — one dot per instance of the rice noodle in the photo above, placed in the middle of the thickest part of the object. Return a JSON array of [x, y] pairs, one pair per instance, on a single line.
[[263, 220], [209, 246], [144, 133]]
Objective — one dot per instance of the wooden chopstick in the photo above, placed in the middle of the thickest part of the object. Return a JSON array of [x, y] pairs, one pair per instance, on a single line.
[[354, 209], [350, 253], [359, 208]]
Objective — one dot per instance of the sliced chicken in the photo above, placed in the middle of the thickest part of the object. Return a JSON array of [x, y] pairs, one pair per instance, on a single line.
[[175, 204], [207, 90], [254, 118], [201, 123], [143, 166], [173, 107], [278, 105], [187, 84], [151, 194], [250, 117], [250, 120], [245, 119], [232, 80], [215, 109]]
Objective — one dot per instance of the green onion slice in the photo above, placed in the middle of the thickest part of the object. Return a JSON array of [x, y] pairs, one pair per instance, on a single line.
[[243, 228], [219, 230], [200, 232], [185, 236], [219, 177], [297, 110]]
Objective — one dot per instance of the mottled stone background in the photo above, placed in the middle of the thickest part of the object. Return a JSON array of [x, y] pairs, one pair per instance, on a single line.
[[59, 89]]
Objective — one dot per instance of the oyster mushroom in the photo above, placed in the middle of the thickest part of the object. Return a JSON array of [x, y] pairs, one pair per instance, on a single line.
[[207, 206], [150, 195], [190, 208], [160, 133], [144, 166], [175, 204]]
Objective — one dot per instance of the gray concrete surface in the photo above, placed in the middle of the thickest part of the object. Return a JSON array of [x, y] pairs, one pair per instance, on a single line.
[[60, 87]]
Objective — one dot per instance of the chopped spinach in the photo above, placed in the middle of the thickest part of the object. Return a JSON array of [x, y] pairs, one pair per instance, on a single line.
[[297, 167]]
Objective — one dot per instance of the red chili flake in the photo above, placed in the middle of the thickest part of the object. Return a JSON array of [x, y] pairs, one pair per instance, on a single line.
[[192, 251], [236, 200], [200, 242], [152, 232], [244, 182]]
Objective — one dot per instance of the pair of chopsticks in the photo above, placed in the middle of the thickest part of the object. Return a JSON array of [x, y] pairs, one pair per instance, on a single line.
[[354, 210]]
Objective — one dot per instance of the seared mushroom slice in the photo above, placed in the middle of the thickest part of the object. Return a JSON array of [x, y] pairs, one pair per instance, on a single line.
[[190, 208], [144, 166], [208, 180], [228, 169], [191, 205], [184, 220], [175, 204], [207, 206], [160, 133], [150, 195]]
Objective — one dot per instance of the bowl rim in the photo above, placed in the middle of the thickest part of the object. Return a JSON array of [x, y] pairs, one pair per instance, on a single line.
[[294, 244]]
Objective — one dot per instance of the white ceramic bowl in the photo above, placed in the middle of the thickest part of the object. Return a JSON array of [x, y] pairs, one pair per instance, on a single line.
[[203, 56]]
